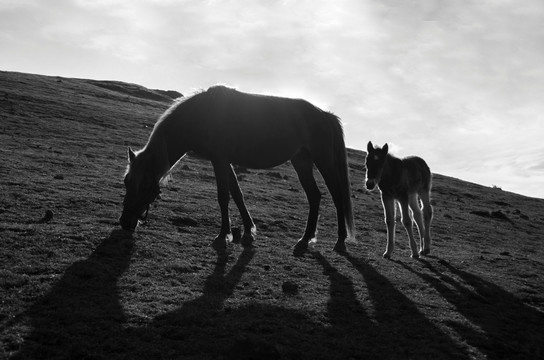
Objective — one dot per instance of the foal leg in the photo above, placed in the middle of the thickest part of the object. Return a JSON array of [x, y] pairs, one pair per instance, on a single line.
[[407, 222], [389, 211], [427, 217], [221, 169], [303, 165], [249, 226], [418, 218]]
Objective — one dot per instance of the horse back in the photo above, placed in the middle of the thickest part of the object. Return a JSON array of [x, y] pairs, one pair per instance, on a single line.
[[254, 130], [405, 176]]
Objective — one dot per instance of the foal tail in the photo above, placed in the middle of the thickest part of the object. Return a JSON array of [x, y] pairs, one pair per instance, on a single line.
[[342, 171]]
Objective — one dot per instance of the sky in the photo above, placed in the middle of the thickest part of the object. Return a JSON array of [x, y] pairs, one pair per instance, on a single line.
[[457, 82]]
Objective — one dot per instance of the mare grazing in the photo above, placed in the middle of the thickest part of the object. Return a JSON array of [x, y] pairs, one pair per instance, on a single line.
[[255, 131], [402, 180]]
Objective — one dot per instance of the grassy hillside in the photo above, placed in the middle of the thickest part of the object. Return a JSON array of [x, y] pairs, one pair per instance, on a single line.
[[73, 285]]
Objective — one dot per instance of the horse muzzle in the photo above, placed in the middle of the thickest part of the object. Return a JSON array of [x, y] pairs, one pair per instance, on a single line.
[[130, 220], [127, 222]]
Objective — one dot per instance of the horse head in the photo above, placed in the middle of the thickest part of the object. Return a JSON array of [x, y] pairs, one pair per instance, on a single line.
[[375, 161], [142, 188]]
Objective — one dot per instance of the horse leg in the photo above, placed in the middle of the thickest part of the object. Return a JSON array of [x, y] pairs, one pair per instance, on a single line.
[[303, 165], [221, 170], [333, 184], [427, 217], [407, 222], [418, 218], [249, 226], [389, 211]]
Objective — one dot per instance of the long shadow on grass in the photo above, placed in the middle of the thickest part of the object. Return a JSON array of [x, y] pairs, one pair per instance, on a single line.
[[396, 329], [81, 316], [197, 328], [211, 327], [509, 328]]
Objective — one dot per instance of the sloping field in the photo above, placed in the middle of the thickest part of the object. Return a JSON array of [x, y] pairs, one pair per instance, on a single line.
[[74, 286]]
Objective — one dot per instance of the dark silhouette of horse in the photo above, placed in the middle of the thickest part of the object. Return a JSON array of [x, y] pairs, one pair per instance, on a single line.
[[402, 180], [255, 131]]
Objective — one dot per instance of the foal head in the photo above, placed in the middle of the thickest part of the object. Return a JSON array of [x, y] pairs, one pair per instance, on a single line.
[[142, 188], [375, 161]]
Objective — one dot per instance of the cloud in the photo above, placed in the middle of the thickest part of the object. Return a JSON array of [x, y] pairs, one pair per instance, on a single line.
[[445, 80], [7, 5]]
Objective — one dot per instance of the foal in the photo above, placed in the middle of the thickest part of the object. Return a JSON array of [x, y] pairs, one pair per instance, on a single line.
[[402, 180]]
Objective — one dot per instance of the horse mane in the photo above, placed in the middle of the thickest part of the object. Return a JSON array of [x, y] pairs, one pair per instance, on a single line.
[[216, 90], [392, 157], [175, 104], [220, 90], [166, 177]]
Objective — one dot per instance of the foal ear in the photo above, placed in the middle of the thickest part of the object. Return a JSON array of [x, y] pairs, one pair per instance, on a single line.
[[369, 146], [131, 155], [385, 148]]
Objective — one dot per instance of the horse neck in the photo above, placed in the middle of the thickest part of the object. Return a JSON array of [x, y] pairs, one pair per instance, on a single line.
[[169, 134], [157, 156], [167, 141]]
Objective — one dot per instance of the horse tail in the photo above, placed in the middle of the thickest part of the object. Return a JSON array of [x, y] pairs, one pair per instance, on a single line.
[[342, 170], [428, 177], [425, 172]]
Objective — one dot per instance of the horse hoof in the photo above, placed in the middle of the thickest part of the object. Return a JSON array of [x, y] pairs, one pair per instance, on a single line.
[[340, 248], [425, 252], [221, 241], [386, 256], [247, 240], [415, 256]]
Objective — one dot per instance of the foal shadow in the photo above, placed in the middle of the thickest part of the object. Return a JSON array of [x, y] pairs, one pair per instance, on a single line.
[[81, 315], [386, 324], [502, 325]]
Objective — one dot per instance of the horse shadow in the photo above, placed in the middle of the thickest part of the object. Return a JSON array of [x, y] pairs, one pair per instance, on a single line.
[[81, 316], [208, 327], [503, 326], [188, 330]]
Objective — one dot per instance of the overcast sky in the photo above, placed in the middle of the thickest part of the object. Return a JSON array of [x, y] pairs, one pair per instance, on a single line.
[[457, 82]]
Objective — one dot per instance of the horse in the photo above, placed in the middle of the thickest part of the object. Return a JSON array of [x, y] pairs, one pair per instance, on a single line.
[[402, 180], [229, 127]]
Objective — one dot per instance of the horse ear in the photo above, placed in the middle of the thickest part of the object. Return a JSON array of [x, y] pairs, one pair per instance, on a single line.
[[385, 148], [131, 155], [369, 146]]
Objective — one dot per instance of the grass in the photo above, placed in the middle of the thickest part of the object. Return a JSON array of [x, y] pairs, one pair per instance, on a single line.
[[76, 286]]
